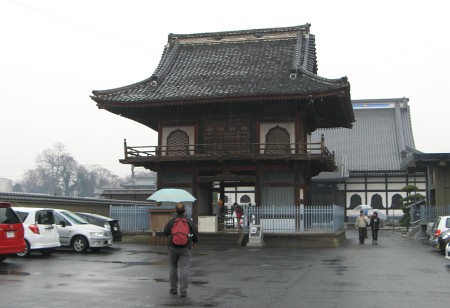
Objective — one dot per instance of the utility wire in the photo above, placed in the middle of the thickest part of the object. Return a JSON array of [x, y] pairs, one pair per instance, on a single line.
[[83, 27]]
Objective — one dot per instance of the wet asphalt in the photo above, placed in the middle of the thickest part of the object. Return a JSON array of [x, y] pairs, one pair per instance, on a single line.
[[397, 272]]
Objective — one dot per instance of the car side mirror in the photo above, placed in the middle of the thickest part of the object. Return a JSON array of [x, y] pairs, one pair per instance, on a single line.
[[63, 223]]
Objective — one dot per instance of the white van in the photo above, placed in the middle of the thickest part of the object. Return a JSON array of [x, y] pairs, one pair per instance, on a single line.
[[77, 233], [39, 229]]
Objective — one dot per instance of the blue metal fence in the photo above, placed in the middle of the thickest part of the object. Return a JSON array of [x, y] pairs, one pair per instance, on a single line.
[[275, 219], [137, 217], [428, 213], [293, 219], [131, 218]]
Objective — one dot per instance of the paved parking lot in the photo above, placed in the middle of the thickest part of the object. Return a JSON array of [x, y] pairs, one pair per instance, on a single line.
[[396, 273]]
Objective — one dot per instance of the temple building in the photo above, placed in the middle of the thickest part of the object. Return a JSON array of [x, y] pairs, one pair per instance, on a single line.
[[370, 158], [235, 112]]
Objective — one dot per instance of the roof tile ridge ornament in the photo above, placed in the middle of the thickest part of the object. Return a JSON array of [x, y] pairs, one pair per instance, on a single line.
[[121, 89], [332, 81], [240, 35], [167, 61], [296, 65]]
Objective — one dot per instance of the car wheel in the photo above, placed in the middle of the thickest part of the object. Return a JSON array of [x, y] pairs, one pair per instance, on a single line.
[[26, 252], [47, 252], [80, 244], [3, 258]]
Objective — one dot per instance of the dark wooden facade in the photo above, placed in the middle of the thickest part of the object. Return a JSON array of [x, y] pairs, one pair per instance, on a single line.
[[235, 109]]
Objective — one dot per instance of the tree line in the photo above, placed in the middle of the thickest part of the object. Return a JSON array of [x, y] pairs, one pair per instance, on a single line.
[[58, 173]]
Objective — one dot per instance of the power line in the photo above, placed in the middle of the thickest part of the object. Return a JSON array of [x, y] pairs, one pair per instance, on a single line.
[[84, 28]]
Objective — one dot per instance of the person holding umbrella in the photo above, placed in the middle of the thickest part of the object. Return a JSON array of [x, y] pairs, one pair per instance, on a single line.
[[361, 224], [374, 226], [183, 235]]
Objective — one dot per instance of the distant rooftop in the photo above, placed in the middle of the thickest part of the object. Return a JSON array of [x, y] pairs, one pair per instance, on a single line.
[[381, 138]]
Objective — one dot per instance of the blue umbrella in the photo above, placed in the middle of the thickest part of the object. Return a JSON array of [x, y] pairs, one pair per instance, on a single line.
[[171, 195]]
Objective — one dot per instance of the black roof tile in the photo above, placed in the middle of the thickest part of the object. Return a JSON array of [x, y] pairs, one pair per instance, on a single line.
[[246, 63]]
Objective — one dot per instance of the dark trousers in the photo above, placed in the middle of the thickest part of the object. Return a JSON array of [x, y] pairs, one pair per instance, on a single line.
[[362, 234], [375, 234], [179, 260]]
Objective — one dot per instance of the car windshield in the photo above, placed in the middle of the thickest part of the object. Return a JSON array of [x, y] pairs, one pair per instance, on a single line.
[[74, 218]]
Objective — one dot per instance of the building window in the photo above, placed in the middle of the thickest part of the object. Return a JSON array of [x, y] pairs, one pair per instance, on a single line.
[[376, 202], [178, 143], [396, 201], [277, 141], [245, 199], [355, 200]]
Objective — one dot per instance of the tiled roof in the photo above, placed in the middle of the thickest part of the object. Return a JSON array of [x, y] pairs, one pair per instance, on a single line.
[[379, 140], [30, 197], [269, 63]]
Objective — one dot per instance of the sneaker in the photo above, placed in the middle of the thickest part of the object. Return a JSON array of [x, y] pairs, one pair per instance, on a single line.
[[183, 293], [173, 291]]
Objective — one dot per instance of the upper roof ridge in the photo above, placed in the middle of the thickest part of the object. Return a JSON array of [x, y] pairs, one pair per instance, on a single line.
[[239, 35]]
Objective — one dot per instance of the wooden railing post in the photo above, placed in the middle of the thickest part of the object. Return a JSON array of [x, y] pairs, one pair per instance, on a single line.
[[125, 148], [322, 145]]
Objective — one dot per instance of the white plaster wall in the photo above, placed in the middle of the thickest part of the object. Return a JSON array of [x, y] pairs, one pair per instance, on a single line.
[[353, 186], [377, 186]]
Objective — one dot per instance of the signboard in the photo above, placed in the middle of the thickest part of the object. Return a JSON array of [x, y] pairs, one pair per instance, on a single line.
[[255, 237], [255, 231]]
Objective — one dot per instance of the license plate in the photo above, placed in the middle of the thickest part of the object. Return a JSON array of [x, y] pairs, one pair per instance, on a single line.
[[115, 228], [9, 234]]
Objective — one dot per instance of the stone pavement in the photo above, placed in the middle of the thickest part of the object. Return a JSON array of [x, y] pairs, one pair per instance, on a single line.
[[396, 273]]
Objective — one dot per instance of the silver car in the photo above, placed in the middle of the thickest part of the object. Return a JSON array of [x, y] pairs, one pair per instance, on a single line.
[[77, 233]]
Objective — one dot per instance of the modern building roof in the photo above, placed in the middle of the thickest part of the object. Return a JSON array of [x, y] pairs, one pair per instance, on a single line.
[[381, 138], [235, 66]]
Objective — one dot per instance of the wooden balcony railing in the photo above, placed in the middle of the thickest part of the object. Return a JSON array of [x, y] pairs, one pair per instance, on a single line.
[[261, 150]]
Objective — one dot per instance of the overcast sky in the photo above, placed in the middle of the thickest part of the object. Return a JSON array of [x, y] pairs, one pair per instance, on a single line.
[[54, 53]]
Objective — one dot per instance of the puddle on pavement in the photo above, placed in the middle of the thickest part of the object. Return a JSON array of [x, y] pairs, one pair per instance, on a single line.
[[131, 263], [14, 273], [194, 282]]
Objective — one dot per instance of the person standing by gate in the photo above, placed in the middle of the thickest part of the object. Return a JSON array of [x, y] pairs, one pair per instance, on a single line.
[[375, 226], [183, 235], [238, 212], [361, 224]]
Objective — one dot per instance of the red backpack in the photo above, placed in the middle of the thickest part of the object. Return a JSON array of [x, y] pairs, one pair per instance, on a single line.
[[180, 232]]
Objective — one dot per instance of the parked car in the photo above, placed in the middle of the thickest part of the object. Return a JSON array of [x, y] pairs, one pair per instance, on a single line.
[[447, 251], [77, 233], [441, 224], [40, 230], [11, 232], [103, 221], [442, 240]]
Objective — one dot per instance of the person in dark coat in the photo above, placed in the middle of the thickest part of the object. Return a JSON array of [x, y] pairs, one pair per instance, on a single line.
[[374, 225], [179, 256]]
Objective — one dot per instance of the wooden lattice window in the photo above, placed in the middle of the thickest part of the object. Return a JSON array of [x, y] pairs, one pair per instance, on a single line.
[[277, 141], [177, 143]]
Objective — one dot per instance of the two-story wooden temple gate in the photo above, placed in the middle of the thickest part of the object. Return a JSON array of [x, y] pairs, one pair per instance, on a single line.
[[235, 109]]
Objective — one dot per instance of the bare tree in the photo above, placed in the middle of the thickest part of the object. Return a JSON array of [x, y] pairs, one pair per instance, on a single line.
[[58, 173]]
